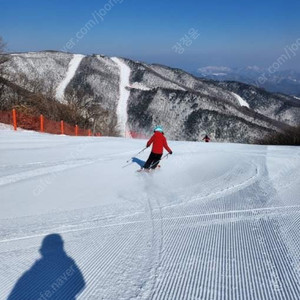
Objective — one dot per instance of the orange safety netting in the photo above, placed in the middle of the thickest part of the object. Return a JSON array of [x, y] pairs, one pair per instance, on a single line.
[[6, 117], [28, 122], [136, 135], [69, 129], [53, 127], [42, 124]]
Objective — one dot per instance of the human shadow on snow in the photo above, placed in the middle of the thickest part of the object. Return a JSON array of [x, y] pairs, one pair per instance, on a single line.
[[54, 276]]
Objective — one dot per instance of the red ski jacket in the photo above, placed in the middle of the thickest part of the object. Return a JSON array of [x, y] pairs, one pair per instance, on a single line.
[[159, 142]]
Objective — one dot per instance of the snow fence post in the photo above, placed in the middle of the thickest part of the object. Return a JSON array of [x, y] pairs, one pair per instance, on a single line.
[[90, 132], [61, 127], [14, 115], [76, 130], [41, 123]]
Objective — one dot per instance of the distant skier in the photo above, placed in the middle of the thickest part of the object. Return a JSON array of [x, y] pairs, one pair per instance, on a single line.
[[159, 143], [206, 139]]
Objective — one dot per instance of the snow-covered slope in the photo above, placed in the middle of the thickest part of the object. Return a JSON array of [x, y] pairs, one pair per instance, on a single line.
[[43, 69], [72, 68], [279, 107], [217, 221], [241, 101], [124, 93]]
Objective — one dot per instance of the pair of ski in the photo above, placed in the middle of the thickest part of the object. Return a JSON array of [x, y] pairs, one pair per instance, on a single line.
[[130, 161], [142, 170], [151, 169]]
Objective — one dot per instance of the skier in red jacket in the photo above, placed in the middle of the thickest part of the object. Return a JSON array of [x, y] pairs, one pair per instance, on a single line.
[[159, 143]]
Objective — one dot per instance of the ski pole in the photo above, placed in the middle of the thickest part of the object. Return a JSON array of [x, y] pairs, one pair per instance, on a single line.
[[136, 154], [165, 156], [127, 165]]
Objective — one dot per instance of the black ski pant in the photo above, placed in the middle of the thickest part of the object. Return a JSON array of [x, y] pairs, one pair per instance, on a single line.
[[152, 161]]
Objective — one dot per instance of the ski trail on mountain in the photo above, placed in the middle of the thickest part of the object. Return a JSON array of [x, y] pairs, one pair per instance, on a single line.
[[242, 102], [124, 95], [72, 68]]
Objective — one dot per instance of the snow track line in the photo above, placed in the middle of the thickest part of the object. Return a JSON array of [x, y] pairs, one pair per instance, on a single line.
[[115, 250], [160, 242], [4, 180], [223, 262], [230, 189], [157, 242], [121, 241], [235, 212], [163, 219], [71, 230], [50, 170], [245, 183]]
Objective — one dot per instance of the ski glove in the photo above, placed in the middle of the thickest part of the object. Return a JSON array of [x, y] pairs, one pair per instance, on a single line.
[[171, 152]]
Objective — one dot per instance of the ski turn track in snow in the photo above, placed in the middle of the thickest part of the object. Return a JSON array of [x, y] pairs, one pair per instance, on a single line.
[[72, 68], [124, 93], [229, 231]]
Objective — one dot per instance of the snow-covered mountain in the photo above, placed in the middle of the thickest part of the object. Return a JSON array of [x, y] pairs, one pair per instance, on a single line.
[[287, 81], [137, 96]]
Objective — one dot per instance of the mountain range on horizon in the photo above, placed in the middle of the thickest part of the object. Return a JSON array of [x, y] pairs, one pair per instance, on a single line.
[[134, 96], [271, 79]]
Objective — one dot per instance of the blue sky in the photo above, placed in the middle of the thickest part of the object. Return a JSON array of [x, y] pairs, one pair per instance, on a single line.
[[231, 32]]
